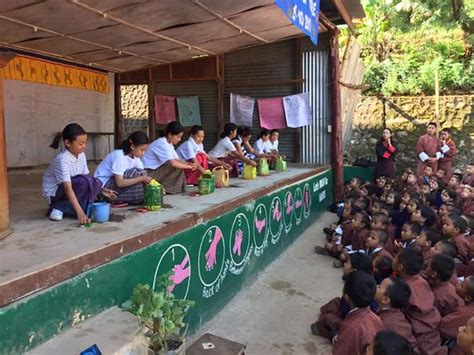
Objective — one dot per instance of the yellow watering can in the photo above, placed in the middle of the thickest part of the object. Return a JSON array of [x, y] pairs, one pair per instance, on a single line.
[[221, 176], [250, 172]]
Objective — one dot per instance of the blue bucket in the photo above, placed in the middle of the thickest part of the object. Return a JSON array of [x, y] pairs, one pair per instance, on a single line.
[[99, 211]]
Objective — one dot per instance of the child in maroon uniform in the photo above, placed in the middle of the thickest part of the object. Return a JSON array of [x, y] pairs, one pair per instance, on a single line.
[[421, 313], [469, 176], [410, 231], [454, 228], [450, 323], [439, 272], [356, 240], [376, 243], [426, 240], [392, 296], [382, 221], [361, 324], [388, 342]]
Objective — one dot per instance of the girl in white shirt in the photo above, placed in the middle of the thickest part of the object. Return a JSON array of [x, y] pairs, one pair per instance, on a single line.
[[123, 171], [261, 145], [273, 141], [163, 163], [242, 144], [225, 150], [66, 183], [193, 151]]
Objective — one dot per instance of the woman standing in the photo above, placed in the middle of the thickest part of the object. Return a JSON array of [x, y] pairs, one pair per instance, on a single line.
[[385, 150], [162, 162]]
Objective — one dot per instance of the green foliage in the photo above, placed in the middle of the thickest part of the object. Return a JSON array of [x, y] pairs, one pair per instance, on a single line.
[[404, 42], [160, 313]]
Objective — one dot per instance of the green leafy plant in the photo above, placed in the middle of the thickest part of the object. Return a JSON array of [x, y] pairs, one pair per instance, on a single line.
[[160, 314]]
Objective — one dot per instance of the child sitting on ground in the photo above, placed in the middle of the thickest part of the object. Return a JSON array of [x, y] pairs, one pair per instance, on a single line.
[[361, 324], [356, 239], [382, 266], [333, 313], [421, 313], [388, 342], [392, 297], [454, 228], [376, 242], [426, 240], [410, 232], [439, 272], [450, 323], [424, 216], [427, 174], [469, 175], [382, 221]]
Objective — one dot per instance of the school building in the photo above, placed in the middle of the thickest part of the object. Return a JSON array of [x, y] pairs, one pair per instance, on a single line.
[[101, 64]]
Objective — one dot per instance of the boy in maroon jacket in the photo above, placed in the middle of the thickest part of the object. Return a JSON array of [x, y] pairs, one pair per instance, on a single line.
[[392, 296], [376, 242], [421, 313], [449, 325], [454, 227], [361, 324], [439, 272]]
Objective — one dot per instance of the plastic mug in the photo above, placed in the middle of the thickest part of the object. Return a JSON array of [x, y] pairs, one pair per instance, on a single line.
[[99, 211]]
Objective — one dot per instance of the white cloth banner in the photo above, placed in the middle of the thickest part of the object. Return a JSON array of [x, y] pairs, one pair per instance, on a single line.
[[298, 110], [241, 110]]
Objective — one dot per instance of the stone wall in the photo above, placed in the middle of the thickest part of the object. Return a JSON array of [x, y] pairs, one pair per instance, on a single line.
[[407, 118]]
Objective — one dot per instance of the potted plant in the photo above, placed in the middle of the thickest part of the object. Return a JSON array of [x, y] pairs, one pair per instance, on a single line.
[[161, 316]]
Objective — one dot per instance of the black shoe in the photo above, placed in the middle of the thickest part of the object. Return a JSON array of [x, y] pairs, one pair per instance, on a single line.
[[314, 329], [320, 250]]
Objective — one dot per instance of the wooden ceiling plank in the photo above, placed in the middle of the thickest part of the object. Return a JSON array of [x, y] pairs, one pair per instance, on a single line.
[[230, 23], [128, 24]]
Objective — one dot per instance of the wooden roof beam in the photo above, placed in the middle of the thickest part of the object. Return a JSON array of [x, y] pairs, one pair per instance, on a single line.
[[346, 16]]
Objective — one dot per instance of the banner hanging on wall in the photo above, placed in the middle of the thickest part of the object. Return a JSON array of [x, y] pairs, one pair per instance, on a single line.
[[56, 74], [241, 110], [165, 110], [298, 110], [272, 114], [188, 111], [304, 14]]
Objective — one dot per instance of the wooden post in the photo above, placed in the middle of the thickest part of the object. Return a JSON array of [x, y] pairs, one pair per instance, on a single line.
[[298, 90], [220, 94], [336, 124], [118, 127], [4, 207], [437, 100], [151, 107]]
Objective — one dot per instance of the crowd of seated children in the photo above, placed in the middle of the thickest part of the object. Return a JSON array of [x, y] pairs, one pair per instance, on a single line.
[[121, 176], [416, 233]]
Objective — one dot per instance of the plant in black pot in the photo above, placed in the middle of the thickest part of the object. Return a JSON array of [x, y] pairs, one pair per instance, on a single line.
[[161, 316]]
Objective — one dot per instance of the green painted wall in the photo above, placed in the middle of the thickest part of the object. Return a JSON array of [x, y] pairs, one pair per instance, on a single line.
[[358, 171], [221, 257]]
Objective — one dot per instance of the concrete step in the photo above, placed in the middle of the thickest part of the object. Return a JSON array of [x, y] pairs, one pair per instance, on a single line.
[[114, 331]]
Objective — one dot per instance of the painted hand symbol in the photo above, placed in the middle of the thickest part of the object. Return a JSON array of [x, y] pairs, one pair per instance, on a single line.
[[289, 205], [260, 224], [238, 242], [298, 203], [180, 273], [211, 254], [276, 211]]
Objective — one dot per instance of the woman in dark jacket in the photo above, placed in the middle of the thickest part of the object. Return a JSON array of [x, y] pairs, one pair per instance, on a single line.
[[385, 150]]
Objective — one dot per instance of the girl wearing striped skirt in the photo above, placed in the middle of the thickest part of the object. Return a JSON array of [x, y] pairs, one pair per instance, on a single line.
[[163, 163], [123, 171], [66, 183], [225, 150], [193, 151]]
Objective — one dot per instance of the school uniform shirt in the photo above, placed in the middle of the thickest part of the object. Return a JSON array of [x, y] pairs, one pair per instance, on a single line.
[[189, 149], [222, 148], [422, 315], [261, 147], [158, 153], [462, 243], [449, 325], [379, 251], [116, 163], [62, 169], [357, 331], [446, 298], [272, 145], [393, 319], [428, 147]]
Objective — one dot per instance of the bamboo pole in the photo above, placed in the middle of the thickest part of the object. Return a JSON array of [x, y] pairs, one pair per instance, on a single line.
[[437, 100]]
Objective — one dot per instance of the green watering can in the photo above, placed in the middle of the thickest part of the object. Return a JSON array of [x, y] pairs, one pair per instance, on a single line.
[[280, 164], [153, 196], [206, 183], [263, 169]]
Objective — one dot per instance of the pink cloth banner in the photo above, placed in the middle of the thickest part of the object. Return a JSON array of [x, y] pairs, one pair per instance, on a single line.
[[165, 109], [272, 114]]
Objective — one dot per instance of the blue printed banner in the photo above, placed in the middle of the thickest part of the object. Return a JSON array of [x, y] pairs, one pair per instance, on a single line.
[[304, 14]]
